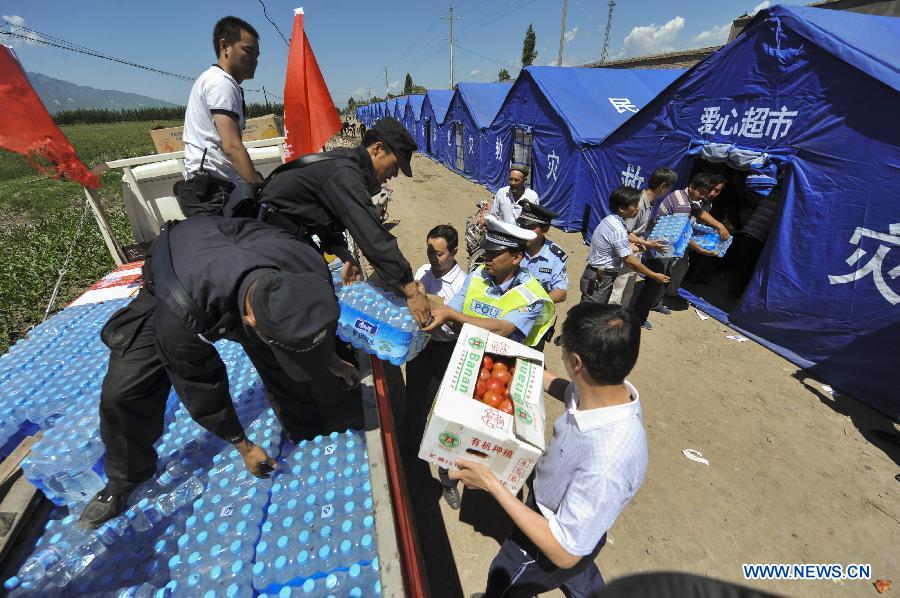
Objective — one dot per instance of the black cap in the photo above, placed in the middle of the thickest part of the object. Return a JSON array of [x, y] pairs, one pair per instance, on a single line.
[[399, 141], [534, 215], [296, 315]]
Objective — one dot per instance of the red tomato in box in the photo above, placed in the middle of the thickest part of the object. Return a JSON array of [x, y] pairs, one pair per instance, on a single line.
[[495, 385], [506, 406], [480, 387], [498, 366], [502, 375], [492, 399], [484, 374], [487, 362]]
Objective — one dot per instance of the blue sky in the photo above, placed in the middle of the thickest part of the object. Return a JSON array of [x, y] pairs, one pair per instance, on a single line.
[[353, 40]]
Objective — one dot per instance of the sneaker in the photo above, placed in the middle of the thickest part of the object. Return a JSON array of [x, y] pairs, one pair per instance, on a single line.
[[647, 325], [451, 495], [660, 308], [103, 507]]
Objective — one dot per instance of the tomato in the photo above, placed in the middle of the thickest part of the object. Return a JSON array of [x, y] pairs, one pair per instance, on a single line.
[[487, 362], [502, 375], [506, 393], [480, 387], [484, 374], [495, 385], [506, 406], [498, 366], [492, 399]]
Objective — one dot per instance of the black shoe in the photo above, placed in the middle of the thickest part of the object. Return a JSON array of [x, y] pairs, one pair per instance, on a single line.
[[451, 495], [646, 325], [660, 308], [103, 507]]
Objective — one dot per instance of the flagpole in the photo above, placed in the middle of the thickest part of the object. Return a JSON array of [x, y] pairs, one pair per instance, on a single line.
[[109, 237]]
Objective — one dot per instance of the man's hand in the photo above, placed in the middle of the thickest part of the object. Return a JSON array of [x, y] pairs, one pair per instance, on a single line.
[[257, 462], [723, 232], [475, 475], [347, 372], [350, 272], [417, 303], [658, 244], [440, 314], [660, 278]]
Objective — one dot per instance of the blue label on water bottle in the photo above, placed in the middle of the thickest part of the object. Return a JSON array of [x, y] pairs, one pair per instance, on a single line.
[[365, 327]]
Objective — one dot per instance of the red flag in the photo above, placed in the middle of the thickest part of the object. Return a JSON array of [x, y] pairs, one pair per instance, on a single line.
[[27, 128], [310, 118]]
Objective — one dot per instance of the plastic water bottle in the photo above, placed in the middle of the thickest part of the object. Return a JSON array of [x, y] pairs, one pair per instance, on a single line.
[[145, 590], [35, 569], [149, 514]]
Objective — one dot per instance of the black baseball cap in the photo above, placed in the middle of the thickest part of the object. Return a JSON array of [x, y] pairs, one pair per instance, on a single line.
[[296, 316], [394, 135]]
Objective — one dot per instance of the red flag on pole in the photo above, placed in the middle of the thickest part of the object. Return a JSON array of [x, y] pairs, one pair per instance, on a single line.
[[310, 118], [27, 128]]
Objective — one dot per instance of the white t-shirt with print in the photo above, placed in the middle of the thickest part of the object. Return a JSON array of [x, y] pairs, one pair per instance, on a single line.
[[215, 89]]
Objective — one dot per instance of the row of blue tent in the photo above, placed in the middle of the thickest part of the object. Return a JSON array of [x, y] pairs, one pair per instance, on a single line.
[[804, 98]]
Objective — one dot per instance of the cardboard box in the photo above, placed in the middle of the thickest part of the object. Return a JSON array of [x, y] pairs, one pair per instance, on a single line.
[[262, 127], [167, 140], [460, 427]]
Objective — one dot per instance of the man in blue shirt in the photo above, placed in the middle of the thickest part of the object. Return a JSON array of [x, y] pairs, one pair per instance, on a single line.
[[543, 258]]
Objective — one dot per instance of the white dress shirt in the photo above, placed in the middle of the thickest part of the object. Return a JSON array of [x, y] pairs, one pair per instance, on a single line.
[[507, 208], [446, 287]]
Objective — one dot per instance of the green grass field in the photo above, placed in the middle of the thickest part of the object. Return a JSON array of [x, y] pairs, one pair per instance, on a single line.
[[39, 221]]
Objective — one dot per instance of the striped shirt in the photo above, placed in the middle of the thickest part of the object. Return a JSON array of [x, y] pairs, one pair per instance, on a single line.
[[609, 244], [593, 467]]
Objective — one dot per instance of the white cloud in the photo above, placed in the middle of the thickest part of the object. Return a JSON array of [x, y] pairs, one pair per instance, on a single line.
[[474, 72], [714, 36], [650, 39], [570, 34], [359, 92], [394, 85], [30, 39], [759, 7]]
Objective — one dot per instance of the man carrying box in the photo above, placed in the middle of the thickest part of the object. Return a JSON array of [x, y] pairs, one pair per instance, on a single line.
[[501, 297], [592, 468]]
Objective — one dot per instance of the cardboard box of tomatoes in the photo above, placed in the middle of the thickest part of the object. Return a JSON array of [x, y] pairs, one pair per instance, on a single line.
[[489, 408]]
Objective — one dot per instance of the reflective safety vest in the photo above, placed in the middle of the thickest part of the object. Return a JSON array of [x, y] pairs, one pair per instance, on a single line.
[[478, 303]]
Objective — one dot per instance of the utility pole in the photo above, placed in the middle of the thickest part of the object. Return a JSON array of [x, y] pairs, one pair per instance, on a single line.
[[369, 92], [265, 97], [605, 52], [450, 11], [387, 89], [562, 35]]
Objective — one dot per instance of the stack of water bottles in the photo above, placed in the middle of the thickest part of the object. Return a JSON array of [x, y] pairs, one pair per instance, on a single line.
[[675, 230], [708, 238], [379, 323]]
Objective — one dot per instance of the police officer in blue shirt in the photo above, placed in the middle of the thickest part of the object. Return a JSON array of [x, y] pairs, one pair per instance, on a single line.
[[543, 258]]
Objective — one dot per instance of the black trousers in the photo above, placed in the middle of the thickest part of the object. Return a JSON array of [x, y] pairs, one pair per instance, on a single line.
[[150, 352], [521, 570], [596, 288], [423, 378], [202, 195], [652, 291]]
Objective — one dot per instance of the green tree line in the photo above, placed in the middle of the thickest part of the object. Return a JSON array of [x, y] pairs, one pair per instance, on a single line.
[[90, 116]]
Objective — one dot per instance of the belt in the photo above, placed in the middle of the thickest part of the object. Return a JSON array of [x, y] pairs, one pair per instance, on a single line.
[[603, 272]]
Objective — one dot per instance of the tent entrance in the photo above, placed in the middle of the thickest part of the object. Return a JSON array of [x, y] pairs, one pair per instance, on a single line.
[[460, 147], [522, 150], [428, 136], [749, 216]]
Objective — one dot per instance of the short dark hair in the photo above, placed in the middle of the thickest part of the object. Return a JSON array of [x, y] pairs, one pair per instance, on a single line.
[[706, 180], [447, 233], [622, 197], [371, 137], [229, 29], [662, 176], [606, 337]]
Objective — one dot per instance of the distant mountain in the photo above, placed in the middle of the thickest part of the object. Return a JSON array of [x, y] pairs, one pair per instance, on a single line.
[[60, 95]]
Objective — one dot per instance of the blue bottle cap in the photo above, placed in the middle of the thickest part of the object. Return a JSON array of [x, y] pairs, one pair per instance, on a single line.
[[258, 567], [280, 562], [355, 570], [324, 551], [309, 586]]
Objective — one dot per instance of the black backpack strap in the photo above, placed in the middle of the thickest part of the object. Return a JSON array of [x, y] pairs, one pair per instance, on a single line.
[[297, 163], [192, 314]]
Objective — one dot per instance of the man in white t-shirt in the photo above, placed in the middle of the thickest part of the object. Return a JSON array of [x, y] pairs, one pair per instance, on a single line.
[[507, 204], [593, 466], [214, 155], [443, 277]]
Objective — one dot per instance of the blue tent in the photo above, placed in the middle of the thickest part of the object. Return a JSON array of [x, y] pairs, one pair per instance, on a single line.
[[411, 117], [472, 109], [552, 115], [390, 108], [805, 96], [434, 110]]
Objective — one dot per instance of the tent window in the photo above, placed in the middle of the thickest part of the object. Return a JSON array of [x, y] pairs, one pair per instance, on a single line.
[[522, 148], [460, 147]]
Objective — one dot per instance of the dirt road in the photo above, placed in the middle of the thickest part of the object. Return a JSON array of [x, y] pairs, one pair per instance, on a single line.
[[795, 475]]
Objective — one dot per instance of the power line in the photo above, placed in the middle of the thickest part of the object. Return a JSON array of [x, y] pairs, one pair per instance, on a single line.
[[503, 64], [266, 14], [45, 39]]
